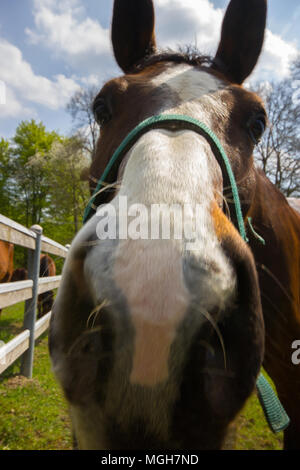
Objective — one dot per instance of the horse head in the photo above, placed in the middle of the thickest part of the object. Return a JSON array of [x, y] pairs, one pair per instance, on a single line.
[[157, 340]]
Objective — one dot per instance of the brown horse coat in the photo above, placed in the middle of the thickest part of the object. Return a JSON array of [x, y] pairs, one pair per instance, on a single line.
[[139, 365], [45, 300], [6, 261]]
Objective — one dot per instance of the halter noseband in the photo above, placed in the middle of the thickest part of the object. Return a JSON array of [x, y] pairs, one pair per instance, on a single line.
[[274, 412], [176, 122]]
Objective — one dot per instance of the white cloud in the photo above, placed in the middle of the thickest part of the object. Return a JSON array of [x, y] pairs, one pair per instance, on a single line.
[[276, 58], [84, 43], [90, 80], [66, 30], [12, 107], [190, 21], [24, 86]]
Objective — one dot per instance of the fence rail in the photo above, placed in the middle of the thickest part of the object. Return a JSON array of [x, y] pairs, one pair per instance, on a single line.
[[14, 292], [13, 232]]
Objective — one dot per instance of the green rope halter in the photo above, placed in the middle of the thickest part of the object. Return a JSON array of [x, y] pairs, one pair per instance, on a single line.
[[275, 414], [157, 122]]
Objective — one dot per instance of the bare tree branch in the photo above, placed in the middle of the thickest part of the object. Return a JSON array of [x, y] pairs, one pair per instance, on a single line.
[[278, 153], [85, 126]]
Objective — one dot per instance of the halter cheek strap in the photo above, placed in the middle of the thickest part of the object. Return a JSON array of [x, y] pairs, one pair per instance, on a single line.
[[275, 414]]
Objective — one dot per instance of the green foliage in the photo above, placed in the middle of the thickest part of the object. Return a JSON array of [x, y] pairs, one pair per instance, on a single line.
[[67, 194], [31, 185], [5, 170], [32, 138], [40, 181]]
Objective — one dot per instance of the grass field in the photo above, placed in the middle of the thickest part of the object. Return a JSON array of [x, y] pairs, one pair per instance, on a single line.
[[34, 414]]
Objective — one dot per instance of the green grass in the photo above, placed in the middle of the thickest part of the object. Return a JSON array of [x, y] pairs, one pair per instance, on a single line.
[[253, 431], [11, 321], [34, 413]]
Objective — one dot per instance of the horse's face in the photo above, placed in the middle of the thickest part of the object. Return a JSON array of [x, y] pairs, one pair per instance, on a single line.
[[158, 343]]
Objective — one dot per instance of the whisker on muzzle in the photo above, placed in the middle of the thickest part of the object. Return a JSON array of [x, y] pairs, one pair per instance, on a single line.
[[225, 200], [95, 312], [106, 186], [211, 320]]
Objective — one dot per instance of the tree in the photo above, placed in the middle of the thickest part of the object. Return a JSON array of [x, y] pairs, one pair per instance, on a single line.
[[40, 181], [80, 109], [5, 172], [67, 193], [295, 83], [31, 186], [278, 153]]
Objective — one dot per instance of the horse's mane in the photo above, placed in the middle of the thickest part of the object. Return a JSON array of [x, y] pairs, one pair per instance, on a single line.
[[185, 55]]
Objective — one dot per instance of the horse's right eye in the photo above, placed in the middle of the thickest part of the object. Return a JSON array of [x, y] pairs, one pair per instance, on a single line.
[[101, 112]]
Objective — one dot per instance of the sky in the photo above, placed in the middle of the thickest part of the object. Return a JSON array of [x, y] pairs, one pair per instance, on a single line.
[[49, 49]]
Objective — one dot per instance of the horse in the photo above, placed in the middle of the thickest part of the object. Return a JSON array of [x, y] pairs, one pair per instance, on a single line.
[[158, 344], [19, 274], [6, 262], [47, 268], [46, 299]]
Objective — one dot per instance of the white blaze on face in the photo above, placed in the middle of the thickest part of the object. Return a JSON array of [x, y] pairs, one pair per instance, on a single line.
[[199, 92], [150, 275], [166, 167], [189, 82]]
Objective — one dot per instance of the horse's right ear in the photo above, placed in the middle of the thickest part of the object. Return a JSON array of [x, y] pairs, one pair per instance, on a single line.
[[133, 34]]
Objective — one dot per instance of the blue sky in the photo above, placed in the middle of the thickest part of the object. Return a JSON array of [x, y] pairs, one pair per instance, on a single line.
[[51, 48]]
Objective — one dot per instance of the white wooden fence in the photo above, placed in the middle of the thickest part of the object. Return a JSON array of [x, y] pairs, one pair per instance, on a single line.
[[28, 291]]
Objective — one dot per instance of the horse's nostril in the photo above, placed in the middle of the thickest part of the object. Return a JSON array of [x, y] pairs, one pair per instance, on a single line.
[[88, 344], [87, 349]]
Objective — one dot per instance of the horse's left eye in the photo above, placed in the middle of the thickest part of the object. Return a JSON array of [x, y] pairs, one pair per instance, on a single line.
[[256, 127], [101, 112]]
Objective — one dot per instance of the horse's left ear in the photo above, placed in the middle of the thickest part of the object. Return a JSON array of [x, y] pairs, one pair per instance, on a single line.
[[242, 38], [133, 35]]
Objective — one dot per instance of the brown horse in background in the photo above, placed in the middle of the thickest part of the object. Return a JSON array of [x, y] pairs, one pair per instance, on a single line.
[[46, 299], [141, 328], [6, 262], [47, 268]]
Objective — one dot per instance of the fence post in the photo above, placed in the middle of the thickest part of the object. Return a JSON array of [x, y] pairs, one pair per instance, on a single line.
[[31, 304]]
